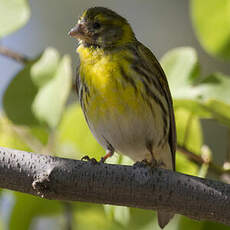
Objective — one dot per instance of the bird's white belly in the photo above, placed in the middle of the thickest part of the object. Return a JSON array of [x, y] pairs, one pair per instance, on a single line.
[[128, 134]]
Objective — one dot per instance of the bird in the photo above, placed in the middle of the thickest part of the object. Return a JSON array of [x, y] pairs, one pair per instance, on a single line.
[[124, 93]]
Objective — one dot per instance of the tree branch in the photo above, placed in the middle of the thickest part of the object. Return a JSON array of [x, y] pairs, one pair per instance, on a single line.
[[13, 55], [199, 160], [141, 187]]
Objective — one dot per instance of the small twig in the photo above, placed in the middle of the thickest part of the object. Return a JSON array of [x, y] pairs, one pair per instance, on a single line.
[[190, 155], [199, 160], [13, 55]]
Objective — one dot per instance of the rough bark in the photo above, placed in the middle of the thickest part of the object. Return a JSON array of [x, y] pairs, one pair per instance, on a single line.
[[140, 187]]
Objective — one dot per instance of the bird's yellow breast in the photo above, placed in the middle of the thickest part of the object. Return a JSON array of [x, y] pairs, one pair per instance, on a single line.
[[98, 69], [109, 91]]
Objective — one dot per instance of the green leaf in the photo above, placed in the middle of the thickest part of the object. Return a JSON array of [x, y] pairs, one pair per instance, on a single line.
[[26, 207], [9, 138], [14, 15], [19, 96], [38, 93], [189, 224], [214, 87], [49, 103], [122, 215], [185, 166], [119, 214], [213, 226], [221, 111], [213, 92], [189, 134], [193, 106], [92, 217], [142, 219], [212, 25], [74, 136], [190, 91], [181, 68], [40, 133], [44, 69]]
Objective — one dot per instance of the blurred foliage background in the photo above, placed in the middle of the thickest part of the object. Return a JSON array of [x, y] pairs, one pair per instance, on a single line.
[[40, 112]]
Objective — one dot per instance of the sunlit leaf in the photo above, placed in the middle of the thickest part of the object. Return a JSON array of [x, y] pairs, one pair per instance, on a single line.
[[74, 135], [200, 95], [9, 138], [214, 87], [142, 219], [185, 166], [122, 215], [14, 14], [40, 133], [26, 207], [92, 217], [119, 214], [194, 107], [44, 69], [211, 23], [221, 111], [213, 93], [181, 68], [189, 135], [213, 226], [38, 93], [189, 224], [49, 102], [189, 132]]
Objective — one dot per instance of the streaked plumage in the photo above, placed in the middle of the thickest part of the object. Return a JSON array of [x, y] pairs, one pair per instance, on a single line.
[[123, 91]]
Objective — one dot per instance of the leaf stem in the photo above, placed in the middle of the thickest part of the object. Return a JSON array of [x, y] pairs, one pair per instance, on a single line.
[[13, 55], [199, 160]]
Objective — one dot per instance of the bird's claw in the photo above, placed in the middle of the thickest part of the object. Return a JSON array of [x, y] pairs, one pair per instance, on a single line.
[[102, 160], [154, 164], [141, 164], [87, 158], [144, 163]]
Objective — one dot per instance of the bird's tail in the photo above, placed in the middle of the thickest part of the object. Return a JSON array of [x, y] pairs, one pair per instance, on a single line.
[[164, 217]]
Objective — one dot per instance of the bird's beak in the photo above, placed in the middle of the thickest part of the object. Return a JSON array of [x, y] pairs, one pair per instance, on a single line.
[[77, 31]]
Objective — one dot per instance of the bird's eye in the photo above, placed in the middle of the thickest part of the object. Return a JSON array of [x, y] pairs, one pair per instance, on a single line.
[[96, 25]]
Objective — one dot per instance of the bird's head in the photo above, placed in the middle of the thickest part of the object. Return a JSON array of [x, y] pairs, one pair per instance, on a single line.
[[102, 27]]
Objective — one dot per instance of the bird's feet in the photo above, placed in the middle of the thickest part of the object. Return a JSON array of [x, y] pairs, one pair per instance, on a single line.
[[144, 163], [141, 164], [154, 164], [87, 158], [107, 155], [94, 161]]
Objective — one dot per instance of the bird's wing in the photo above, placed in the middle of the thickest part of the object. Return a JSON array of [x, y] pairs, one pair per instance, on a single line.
[[153, 65]]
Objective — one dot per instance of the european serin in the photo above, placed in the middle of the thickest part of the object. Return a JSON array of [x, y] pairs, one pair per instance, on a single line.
[[123, 92]]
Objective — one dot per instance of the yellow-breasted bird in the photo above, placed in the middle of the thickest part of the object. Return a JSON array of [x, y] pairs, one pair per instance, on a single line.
[[123, 92]]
